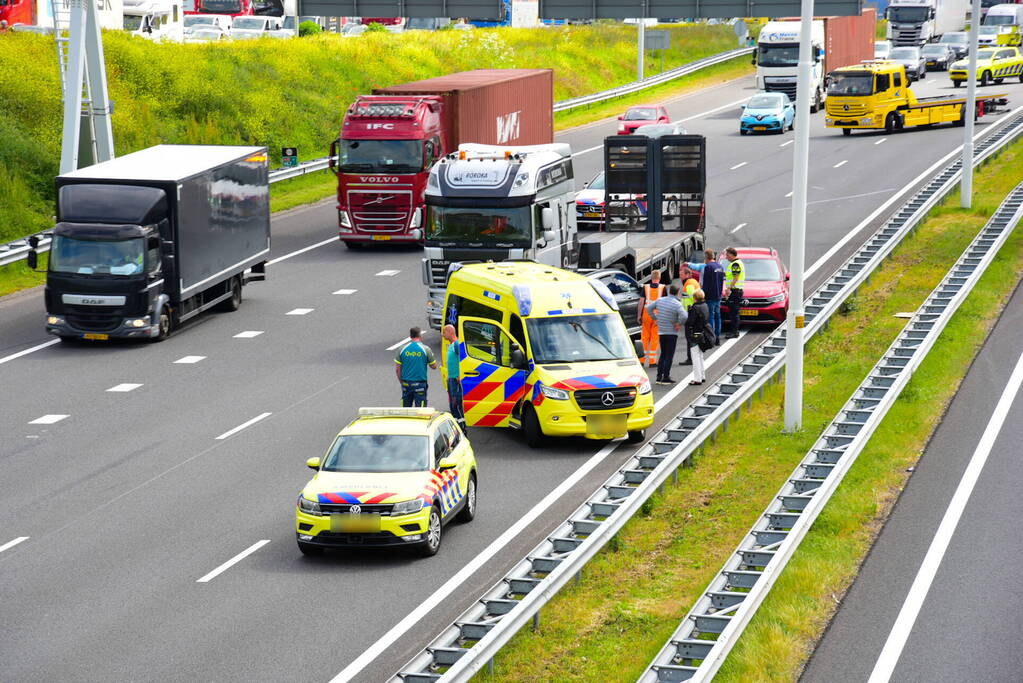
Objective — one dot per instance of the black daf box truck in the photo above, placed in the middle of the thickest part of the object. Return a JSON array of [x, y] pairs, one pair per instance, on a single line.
[[148, 240]]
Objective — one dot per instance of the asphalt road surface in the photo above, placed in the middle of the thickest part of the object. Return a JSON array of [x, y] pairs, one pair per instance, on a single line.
[[970, 615], [124, 499]]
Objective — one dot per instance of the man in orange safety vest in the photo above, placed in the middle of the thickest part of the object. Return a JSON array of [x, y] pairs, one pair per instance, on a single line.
[[651, 341]]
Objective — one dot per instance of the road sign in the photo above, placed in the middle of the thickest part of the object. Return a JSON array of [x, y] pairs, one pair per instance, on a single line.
[[658, 40], [740, 28], [289, 157]]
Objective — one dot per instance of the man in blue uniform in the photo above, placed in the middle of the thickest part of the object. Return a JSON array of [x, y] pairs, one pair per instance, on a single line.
[[411, 363]]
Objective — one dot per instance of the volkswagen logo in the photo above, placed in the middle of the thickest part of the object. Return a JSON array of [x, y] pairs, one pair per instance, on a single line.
[[355, 509], [607, 398]]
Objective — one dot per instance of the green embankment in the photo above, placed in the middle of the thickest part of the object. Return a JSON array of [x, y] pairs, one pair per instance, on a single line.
[[632, 596]]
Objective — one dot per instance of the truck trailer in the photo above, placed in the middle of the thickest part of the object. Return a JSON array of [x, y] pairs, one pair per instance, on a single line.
[[146, 241], [836, 42], [915, 22], [390, 140]]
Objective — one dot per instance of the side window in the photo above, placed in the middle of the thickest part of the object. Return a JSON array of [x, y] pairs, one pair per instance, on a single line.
[[153, 253], [613, 284], [451, 434], [623, 284], [882, 83], [486, 342], [440, 447], [897, 80], [515, 325], [459, 306]]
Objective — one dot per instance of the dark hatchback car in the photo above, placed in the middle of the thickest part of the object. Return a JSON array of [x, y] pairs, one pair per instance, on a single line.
[[627, 293]]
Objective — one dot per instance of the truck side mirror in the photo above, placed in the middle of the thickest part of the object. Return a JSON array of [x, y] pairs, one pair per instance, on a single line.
[[547, 218], [549, 236], [639, 349], [332, 160], [32, 260]]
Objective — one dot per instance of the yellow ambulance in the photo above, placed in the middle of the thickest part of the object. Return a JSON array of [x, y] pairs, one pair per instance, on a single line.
[[544, 350]]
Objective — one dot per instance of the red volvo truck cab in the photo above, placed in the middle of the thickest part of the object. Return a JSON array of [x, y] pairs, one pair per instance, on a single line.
[[19, 12], [389, 140]]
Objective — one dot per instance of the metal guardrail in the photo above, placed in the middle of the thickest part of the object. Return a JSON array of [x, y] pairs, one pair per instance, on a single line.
[[471, 641], [651, 81], [18, 249], [700, 645]]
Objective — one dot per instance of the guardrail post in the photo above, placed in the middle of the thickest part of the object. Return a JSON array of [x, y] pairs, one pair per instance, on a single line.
[[536, 623]]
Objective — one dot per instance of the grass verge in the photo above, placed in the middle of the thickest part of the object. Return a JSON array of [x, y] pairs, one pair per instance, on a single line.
[[634, 593], [17, 276]]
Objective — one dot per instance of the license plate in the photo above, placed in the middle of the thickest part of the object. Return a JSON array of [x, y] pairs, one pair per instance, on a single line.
[[96, 335], [591, 214], [749, 311], [358, 524], [606, 425], [759, 127], [382, 238]]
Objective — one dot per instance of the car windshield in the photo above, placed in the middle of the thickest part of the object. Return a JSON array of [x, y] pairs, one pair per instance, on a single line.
[[132, 22], [220, 6], [954, 38], [985, 54], [778, 55], [248, 23], [578, 338], [906, 53], [856, 83], [353, 29], [597, 183], [197, 20], [479, 225], [908, 15], [999, 20], [764, 102], [94, 257], [934, 49], [642, 114], [762, 270], [988, 30], [381, 156], [378, 453]]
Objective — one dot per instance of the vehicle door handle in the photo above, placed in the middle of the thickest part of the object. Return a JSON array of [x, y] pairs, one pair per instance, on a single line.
[[471, 373]]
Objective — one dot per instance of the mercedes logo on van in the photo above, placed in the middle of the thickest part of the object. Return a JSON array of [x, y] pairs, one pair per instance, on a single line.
[[607, 398], [845, 107], [355, 509]]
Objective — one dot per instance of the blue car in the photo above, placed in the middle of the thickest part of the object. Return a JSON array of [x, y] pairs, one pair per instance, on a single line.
[[768, 112]]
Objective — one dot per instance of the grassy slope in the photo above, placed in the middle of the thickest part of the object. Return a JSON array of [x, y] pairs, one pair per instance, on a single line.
[[634, 593]]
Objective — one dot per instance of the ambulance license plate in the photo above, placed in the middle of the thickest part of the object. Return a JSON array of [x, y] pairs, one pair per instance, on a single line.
[[357, 524], [382, 238], [607, 425], [96, 335], [753, 312]]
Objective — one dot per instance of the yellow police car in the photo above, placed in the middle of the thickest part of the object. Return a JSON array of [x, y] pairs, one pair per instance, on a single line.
[[993, 64], [393, 477]]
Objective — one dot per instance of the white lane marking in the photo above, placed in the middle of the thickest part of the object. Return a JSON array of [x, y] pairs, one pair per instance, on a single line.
[[190, 359], [880, 141], [893, 647], [248, 334], [416, 616], [301, 251], [841, 163], [838, 199], [688, 118], [387, 273], [737, 228], [243, 425], [124, 387], [35, 348], [299, 311], [48, 419], [788, 194], [346, 291], [10, 544], [786, 143], [738, 165], [233, 561], [392, 347]]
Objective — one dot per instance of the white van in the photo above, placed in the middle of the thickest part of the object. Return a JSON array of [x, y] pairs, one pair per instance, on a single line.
[[194, 22], [1004, 15]]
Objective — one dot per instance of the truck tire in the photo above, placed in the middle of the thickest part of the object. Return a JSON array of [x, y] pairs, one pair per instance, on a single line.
[[985, 79], [166, 325], [891, 123], [68, 339], [233, 302], [531, 429], [956, 84], [354, 246], [847, 131], [816, 105]]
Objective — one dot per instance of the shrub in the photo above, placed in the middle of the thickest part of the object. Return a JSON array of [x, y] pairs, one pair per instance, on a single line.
[[309, 28], [376, 27]]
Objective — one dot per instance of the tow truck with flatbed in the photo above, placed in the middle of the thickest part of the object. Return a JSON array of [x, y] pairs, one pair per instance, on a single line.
[[875, 95]]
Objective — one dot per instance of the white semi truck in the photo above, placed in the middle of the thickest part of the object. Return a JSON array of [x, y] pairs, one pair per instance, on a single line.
[[915, 22]]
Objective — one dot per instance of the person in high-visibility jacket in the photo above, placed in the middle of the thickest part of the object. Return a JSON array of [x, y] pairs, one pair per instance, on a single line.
[[651, 342], [690, 285], [735, 280]]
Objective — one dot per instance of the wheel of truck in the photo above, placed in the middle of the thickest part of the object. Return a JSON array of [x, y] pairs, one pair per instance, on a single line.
[[961, 121], [166, 324], [354, 246], [816, 106], [233, 302], [531, 429], [68, 339], [985, 78], [847, 131], [891, 122]]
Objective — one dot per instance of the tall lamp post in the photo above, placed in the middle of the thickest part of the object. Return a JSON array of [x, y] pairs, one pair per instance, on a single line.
[[966, 184]]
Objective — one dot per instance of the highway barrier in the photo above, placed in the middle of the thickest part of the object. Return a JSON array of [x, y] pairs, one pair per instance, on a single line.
[[472, 641]]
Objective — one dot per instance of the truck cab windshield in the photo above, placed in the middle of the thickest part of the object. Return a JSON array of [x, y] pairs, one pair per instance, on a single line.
[[999, 20], [578, 338], [778, 55], [381, 156], [448, 224], [95, 257], [908, 15], [132, 22], [851, 84], [220, 6]]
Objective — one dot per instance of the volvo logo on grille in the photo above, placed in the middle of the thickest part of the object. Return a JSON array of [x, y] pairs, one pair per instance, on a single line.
[[355, 509], [607, 398]]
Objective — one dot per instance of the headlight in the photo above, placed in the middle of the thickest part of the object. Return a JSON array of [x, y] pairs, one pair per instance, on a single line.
[[621, 129], [137, 322], [829, 121], [309, 507], [407, 507], [343, 220], [644, 387], [776, 298], [556, 394], [54, 320]]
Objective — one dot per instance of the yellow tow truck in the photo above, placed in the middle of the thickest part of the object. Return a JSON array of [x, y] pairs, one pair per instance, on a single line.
[[875, 95]]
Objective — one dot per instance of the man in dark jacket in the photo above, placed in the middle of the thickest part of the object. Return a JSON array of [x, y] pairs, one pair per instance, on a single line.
[[712, 281]]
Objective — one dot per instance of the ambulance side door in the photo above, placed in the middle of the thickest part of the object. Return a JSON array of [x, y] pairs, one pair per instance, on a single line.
[[492, 372]]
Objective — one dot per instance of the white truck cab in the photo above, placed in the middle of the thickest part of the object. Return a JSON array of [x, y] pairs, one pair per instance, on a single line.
[[155, 19], [778, 59]]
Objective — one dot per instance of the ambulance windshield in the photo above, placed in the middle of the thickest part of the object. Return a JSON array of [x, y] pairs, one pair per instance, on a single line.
[[579, 338]]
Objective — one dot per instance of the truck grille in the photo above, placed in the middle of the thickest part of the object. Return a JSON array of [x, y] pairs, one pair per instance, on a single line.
[[331, 509], [907, 36], [375, 211], [89, 319], [594, 399], [843, 109], [787, 88], [439, 272]]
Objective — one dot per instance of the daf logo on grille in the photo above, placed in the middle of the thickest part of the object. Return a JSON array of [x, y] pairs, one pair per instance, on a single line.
[[355, 509], [607, 398]]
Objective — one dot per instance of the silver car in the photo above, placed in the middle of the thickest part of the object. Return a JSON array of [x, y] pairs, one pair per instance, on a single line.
[[911, 58]]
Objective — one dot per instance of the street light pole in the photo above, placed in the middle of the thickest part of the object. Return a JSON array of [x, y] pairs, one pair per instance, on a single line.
[[641, 46], [969, 110], [800, 171]]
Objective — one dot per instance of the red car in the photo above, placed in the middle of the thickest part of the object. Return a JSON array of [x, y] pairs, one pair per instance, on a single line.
[[641, 115], [766, 293]]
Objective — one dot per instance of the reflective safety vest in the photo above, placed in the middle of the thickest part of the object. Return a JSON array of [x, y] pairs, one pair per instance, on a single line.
[[689, 288], [651, 293], [736, 276]]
